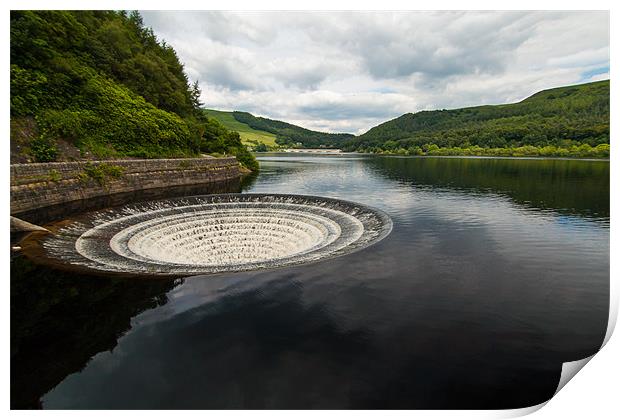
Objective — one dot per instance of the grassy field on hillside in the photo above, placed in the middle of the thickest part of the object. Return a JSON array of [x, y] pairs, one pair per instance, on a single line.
[[249, 136]]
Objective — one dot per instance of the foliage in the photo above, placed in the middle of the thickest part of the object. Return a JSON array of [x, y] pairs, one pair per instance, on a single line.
[[555, 122], [261, 147], [24, 88], [218, 139], [100, 173], [290, 135], [115, 44], [43, 149], [103, 81], [54, 175], [581, 151]]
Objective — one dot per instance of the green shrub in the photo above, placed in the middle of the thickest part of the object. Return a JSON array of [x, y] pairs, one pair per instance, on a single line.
[[261, 147], [68, 123], [43, 149], [100, 173], [54, 175], [26, 89]]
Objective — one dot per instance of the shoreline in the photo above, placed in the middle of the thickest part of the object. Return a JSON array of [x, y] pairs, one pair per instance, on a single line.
[[603, 159]]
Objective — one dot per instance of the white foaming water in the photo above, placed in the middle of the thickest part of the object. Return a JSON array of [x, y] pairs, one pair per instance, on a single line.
[[217, 233], [231, 236]]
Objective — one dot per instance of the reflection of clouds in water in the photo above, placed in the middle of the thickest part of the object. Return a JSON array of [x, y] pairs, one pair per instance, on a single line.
[[458, 233], [519, 233], [340, 178], [450, 235], [211, 345], [516, 232], [472, 291]]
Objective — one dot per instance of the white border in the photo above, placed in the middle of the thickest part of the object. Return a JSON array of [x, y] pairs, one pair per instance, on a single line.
[[592, 394]]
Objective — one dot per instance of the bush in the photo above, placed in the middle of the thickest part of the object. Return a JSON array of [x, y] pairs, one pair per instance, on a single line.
[[54, 175], [26, 89], [43, 149], [101, 173], [110, 120], [261, 147], [217, 139]]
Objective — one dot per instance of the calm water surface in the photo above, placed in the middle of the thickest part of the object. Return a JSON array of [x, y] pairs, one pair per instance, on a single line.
[[496, 272]]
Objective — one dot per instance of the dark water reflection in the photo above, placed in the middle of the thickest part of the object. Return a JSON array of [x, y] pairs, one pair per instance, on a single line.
[[496, 272], [60, 320], [567, 186]]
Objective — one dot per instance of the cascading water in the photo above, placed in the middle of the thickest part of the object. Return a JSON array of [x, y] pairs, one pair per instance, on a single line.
[[216, 233]]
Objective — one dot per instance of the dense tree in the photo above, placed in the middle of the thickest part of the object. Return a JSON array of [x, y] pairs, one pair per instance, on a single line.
[[261, 147], [103, 81]]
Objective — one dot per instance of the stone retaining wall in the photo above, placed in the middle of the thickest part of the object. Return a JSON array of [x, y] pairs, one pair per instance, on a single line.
[[39, 185]]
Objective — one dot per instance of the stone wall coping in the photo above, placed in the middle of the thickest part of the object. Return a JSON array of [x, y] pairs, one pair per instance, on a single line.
[[123, 161]]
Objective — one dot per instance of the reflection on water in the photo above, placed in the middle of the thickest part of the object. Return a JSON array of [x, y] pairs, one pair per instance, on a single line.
[[567, 186], [60, 320], [496, 272]]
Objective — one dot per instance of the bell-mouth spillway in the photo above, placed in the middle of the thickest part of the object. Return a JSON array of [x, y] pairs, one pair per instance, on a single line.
[[215, 234]]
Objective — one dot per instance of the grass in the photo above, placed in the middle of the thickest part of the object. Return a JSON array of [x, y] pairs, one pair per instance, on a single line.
[[249, 136]]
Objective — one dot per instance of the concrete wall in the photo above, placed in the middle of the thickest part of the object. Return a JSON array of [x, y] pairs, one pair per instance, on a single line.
[[39, 185]]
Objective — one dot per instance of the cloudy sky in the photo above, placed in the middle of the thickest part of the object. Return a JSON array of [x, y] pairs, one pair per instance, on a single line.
[[349, 71]]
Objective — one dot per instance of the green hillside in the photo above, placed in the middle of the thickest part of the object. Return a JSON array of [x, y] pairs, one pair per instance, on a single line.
[[249, 136], [289, 135], [565, 121], [99, 84], [273, 134]]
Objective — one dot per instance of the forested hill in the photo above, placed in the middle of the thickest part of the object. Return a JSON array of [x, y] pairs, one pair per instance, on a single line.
[[99, 84], [290, 135], [566, 121]]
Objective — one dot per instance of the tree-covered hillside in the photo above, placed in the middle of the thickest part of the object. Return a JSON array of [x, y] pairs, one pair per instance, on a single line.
[[99, 84], [289, 135], [566, 121]]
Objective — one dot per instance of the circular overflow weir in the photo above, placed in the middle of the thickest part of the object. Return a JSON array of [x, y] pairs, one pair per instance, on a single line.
[[212, 234]]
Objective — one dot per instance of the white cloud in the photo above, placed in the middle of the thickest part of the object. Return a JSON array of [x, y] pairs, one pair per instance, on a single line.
[[348, 71]]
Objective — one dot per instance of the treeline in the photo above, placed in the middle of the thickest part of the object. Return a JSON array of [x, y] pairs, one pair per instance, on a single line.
[[289, 135], [582, 151], [102, 82], [567, 121]]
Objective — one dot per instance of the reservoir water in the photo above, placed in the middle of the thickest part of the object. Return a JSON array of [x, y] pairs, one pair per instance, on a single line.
[[496, 271]]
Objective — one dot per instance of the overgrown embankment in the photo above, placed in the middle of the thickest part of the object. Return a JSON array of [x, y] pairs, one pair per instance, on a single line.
[[100, 85]]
